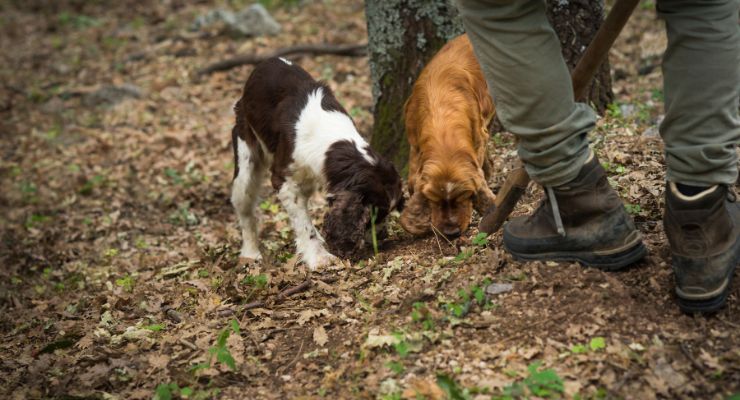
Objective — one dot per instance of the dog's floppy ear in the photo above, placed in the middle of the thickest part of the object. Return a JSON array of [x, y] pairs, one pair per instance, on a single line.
[[416, 217], [344, 224]]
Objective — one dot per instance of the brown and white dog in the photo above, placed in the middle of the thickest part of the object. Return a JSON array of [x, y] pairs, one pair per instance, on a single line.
[[287, 121], [446, 117]]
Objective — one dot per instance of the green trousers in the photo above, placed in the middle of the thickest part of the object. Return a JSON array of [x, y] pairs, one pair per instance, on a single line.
[[531, 87]]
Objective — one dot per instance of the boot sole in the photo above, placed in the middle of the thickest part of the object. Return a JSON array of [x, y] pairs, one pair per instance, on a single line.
[[715, 303], [610, 262], [705, 306]]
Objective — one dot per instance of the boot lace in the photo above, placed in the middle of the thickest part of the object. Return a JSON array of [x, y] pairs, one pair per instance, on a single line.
[[555, 211]]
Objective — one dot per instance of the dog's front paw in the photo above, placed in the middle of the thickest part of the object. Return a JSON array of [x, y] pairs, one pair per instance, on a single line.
[[318, 257], [250, 251], [248, 262]]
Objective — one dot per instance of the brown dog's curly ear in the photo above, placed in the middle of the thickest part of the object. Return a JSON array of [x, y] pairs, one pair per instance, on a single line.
[[416, 217], [344, 225]]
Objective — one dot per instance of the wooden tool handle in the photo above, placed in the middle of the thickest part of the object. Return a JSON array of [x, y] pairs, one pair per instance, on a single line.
[[513, 189], [516, 182]]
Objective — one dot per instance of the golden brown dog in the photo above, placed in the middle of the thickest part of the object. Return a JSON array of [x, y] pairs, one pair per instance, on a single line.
[[447, 116]]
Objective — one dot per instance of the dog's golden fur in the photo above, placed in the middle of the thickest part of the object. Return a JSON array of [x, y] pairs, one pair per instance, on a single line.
[[446, 119]]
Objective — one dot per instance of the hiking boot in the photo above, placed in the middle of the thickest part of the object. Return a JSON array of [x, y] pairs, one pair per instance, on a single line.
[[704, 233], [589, 225]]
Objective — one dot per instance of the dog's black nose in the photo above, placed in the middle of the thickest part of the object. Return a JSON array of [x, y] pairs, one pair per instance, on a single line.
[[451, 231]]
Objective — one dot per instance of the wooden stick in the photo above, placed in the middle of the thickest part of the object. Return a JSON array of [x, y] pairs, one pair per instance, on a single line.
[[281, 296], [349, 50], [254, 304], [513, 189], [291, 291]]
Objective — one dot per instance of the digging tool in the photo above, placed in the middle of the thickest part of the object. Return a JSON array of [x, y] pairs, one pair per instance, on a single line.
[[517, 181]]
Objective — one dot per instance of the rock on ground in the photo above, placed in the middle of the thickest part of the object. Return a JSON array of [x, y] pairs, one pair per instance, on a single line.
[[251, 21]]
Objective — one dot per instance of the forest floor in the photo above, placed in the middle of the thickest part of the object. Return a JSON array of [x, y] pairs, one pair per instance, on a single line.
[[118, 245]]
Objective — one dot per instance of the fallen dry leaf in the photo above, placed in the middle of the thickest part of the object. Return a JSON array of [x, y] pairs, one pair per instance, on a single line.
[[319, 336]]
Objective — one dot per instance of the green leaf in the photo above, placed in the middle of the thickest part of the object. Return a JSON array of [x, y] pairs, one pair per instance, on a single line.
[[164, 391], [395, 366], [127, 283], [224, 356], [451, 388], [154, 327], [479, 294], [200, 366], [597, 343], [543, 383], [173, 175], [402, 348], [578, 349], [463, 255], [221, 341], [481, 239], [186, 391], [235, 326]]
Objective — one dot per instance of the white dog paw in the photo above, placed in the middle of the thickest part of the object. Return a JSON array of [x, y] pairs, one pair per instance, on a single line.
[[319, 258], [249, 250]]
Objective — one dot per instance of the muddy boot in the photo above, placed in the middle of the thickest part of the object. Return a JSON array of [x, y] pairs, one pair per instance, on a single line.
[[704, 233], [588, 225]]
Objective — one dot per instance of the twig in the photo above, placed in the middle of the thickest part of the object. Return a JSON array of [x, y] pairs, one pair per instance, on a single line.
[[225, 312], [329, 279], [690, 357], [350, 50], [291, 291], [439, 245], [298, 354], [732, 324], [254, 304], [625, 377], [188, 344], [281, 296], [442, 234]]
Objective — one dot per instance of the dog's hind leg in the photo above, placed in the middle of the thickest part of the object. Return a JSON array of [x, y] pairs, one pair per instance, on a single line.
[[309, 244], [245, 193]]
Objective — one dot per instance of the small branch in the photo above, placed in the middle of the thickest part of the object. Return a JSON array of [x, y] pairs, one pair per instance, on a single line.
[[254, 304], [291, 291], [349, 50], [297, 355], [687, 353], [281, 296], [187, 344]]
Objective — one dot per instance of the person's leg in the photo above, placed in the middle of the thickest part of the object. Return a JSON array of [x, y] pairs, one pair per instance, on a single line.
[[582, 218], [701, 73], [529, 81], [701, 78]]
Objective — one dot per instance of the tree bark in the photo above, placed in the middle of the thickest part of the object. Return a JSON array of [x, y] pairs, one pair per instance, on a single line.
[[576, 23], [404, 34]]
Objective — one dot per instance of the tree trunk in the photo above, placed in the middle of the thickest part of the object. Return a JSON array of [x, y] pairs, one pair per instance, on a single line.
[[404, 34], [576, 23]]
